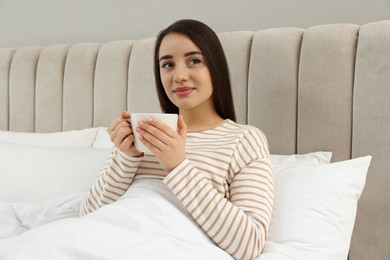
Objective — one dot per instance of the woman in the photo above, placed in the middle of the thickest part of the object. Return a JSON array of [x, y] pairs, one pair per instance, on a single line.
[[219, 170]]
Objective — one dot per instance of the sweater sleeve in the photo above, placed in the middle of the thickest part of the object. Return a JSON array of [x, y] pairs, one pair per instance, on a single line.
[[115, 177], [238, 223]]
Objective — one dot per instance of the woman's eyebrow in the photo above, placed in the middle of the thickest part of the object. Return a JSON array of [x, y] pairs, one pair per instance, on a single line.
[[192, 53], [167, 57]]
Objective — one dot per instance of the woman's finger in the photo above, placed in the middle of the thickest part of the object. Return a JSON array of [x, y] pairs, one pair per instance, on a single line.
[[126, 115], [158, 129], [149, 139], [122, 134], [122, 124], [181, 126], [114, 124], [126, 143]]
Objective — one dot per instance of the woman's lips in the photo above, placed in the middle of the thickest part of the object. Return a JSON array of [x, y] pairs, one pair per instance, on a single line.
[[183, 91]]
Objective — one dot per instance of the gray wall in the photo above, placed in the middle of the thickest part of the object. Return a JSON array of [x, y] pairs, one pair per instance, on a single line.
[[43, 22]]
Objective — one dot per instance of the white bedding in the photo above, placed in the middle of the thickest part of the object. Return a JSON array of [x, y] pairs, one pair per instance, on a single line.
[[148, 222]]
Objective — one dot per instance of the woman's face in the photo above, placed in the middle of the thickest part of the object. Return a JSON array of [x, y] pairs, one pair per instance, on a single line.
[[184, 73]]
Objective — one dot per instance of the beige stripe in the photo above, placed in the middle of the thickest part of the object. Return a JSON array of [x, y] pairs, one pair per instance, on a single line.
[[256, 202], [216, 132], [149, 168], [90, 196], [112, 185], [242, 237], [93, 199], [232, 124], [248, 244], [170, 178], [261, 242], [201, 201], [261, 221], [151, 162], [251, 187], [210, 172], [207, 163], [214, 152], [202, 155], [123, 158], [91, 204], [181, 180], [100, 183], [217, 184], [130, 176], [185, 187], [262, 145], [195, 197], [229, 228], [250, 143], [218, 218], [206, 220], [110, 199], [144, 174], [243, 161], [258, 219], [112, 176], [259, 168], [248, 154], [204, 148], [263, 175], [107, 189], [250, 193], [233, 238], [205, 143], [214, 137], [118, 164], [238, 160], [252, 180], [264, 221], [222, 131]]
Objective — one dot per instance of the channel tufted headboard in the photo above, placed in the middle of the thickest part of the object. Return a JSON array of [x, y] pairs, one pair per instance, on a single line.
[[322, 88]]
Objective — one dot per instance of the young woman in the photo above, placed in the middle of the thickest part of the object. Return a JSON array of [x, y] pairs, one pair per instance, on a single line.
[[219, 170]]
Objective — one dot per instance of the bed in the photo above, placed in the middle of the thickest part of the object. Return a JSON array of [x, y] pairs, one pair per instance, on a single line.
[[320, 95]]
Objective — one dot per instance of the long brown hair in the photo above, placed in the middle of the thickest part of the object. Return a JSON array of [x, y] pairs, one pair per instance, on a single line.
[[210, 46]]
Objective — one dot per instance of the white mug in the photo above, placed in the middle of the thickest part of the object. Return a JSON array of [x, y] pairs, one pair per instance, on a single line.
[[168, 119]]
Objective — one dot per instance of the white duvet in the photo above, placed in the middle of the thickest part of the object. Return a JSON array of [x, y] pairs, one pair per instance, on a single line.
[[148, 222]]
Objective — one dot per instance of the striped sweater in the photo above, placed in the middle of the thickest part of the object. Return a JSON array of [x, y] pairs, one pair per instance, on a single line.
[[226, 183]]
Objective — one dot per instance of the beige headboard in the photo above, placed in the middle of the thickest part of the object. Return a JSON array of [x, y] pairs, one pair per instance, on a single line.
[[321, 88]]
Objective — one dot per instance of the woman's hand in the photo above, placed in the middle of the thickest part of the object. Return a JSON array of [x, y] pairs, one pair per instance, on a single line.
[[166, 144], [122, 136]]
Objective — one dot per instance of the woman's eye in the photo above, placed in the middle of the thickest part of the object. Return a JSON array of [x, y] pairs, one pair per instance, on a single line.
[[167, 65], [195, 61]]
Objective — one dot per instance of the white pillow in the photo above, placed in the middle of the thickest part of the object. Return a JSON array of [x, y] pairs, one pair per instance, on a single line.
[[281, 162], [314, 210], [74, 138], [102, 139], [38, 174]]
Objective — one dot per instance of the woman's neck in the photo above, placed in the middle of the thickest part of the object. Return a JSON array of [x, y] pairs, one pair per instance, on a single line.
[[197, 121]]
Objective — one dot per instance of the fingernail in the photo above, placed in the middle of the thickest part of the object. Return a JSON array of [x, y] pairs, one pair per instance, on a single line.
[[140, 123], [150, 119]]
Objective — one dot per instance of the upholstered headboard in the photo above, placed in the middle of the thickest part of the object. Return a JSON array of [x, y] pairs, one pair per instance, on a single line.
[[322, 88]]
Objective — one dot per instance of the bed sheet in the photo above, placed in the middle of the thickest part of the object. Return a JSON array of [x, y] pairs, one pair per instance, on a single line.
[[148, 222]]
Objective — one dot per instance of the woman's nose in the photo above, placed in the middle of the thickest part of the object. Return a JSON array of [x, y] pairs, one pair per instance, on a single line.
[[181, 74]]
